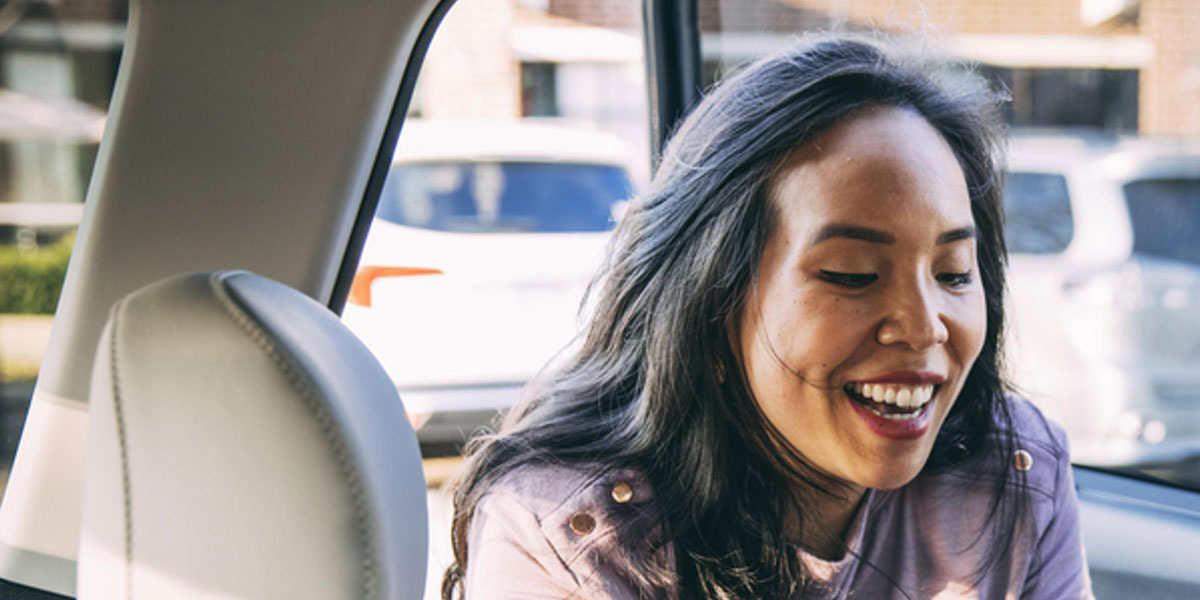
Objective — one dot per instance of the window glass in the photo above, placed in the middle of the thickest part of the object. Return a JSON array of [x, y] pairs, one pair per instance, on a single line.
[[1037, 213], [1103, 335], [486, 197], [528, 131], [539, 93], [1164, 214], [1051, 97], [58, 63]]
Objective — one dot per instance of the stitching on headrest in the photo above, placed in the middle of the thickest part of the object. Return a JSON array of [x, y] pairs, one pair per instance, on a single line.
[[122, 446], [325, 423]]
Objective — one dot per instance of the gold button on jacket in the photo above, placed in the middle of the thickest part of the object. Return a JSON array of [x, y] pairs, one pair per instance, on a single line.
[[622, 492], [583, 523], [1022, 460]]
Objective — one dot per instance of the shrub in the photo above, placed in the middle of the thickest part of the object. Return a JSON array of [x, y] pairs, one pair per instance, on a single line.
[[31, 280]]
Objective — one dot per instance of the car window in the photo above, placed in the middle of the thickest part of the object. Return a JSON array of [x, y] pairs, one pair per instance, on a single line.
[[57, 70], [1164, 214], [527, 133], [482, 197], [1037, 213], [1103, 329]]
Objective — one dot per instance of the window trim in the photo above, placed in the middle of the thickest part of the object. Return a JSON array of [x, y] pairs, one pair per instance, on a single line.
[[383, 159], [672, 40]]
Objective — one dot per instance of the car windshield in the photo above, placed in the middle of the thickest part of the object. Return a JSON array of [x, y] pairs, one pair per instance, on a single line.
[[482, 197], [1164, 213]]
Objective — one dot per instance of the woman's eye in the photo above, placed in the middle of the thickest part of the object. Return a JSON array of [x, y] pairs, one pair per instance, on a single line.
[[956, 280], [850, 280]]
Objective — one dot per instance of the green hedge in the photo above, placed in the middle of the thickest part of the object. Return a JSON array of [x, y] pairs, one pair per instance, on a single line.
[[30, 281]]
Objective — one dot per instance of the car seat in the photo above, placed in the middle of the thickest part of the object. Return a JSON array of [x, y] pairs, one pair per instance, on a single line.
[[243, 443]]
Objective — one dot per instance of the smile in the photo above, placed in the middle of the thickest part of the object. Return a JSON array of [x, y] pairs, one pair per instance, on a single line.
[[894, 410], [897, 402]]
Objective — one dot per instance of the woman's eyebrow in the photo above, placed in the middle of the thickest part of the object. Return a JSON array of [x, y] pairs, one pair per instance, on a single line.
[[854, 232], [954, 235], [875, 236]]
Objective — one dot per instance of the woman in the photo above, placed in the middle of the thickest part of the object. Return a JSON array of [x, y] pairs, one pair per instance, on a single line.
[[790, 385]]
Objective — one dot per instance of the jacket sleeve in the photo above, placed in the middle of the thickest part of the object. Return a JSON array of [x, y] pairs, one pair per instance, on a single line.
[[1059, 568], [509, 557]]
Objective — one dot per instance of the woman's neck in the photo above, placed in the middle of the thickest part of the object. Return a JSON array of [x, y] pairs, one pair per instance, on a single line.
[[826, 517]]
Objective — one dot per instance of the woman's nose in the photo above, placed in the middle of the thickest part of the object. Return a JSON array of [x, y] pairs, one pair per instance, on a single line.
[[912, 318]]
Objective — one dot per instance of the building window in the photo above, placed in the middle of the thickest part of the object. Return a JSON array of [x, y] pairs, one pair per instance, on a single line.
[[1041, 97], [539, 95]]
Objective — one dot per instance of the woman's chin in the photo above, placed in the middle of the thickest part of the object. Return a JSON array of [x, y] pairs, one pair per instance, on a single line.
[[890, 483], [890, 475]]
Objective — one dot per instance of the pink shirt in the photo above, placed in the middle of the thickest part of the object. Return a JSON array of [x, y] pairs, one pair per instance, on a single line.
[[544, 532]]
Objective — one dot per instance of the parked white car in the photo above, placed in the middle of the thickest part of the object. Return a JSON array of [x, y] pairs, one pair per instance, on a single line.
[[483, 243], [1105, 284]]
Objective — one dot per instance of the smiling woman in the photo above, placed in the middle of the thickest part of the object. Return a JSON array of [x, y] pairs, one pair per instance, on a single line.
[[789, 384], [866, 292]]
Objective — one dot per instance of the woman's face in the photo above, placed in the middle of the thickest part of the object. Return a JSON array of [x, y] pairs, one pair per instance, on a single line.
[[868, 311]]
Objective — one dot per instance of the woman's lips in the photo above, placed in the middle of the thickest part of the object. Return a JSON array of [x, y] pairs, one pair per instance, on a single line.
[[898, 417]]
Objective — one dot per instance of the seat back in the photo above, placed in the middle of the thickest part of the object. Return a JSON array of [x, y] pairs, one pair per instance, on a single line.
[[242, 443]]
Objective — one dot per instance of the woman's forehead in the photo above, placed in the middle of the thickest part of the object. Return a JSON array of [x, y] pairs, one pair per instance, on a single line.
[[885, 165]]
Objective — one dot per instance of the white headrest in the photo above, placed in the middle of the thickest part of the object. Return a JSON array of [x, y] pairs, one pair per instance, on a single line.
[[244, 444]]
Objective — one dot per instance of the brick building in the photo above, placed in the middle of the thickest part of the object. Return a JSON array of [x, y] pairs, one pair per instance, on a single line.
[[1124, 65], [496, 59]]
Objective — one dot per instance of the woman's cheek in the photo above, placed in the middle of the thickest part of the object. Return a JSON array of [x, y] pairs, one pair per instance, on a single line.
[[969, 325], [826, 333]]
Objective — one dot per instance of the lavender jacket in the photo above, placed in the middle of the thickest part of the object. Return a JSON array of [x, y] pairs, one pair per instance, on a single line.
[[545, 532]]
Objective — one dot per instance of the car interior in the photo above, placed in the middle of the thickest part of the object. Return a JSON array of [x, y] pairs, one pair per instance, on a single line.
[[203, 425]]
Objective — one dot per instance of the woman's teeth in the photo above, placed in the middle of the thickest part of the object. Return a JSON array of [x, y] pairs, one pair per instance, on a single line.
[[902, 396]]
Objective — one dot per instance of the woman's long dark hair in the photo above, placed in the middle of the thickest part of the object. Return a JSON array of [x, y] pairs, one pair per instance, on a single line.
[[654, 384]]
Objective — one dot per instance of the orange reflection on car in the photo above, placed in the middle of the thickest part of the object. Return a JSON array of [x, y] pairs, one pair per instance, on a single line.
[[360, 289]]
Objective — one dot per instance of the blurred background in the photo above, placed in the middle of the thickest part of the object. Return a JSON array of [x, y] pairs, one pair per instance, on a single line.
[[529, 130]]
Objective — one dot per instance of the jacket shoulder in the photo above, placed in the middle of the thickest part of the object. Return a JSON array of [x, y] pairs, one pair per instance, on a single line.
[[574, 509], [1039, 446], [1031, 426], [1024, 450]]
